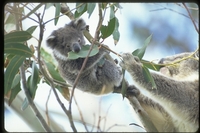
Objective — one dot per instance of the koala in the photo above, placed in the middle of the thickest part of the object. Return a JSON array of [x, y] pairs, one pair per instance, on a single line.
[[174, 105], [96, 78]]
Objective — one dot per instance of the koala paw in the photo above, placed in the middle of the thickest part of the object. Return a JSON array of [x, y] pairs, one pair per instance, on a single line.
[[132, 91], [129, 61]]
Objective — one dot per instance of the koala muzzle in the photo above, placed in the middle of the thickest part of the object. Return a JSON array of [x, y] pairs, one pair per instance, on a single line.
[[76, 47]]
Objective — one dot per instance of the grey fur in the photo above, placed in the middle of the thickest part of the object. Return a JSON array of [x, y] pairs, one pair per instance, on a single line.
[[174, 105], [96, 79]]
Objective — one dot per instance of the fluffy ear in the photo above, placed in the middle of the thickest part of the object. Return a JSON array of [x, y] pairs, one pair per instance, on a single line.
[[51, 41], [78, 24]]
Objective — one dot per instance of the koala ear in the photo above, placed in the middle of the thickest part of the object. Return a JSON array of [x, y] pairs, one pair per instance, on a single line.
[[79, 24], [51, 41]]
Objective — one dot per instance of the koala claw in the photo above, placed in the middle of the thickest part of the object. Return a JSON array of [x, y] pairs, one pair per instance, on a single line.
[[128, 60]]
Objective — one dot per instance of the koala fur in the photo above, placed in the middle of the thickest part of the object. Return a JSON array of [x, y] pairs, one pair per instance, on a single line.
[[174, 105], [95, 78]]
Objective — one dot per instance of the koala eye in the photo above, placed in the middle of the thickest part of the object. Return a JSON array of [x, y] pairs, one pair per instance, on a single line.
[[79, 40]]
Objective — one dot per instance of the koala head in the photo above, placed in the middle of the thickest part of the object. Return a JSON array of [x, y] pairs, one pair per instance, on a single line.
[[184, 68], [68, 38]]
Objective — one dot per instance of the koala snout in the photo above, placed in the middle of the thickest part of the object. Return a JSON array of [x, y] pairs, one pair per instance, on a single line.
[[76, 47]]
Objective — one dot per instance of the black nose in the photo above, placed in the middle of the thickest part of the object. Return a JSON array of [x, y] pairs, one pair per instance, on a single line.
[[76, 47]]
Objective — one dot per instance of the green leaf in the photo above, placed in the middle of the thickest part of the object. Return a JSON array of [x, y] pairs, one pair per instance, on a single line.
[[11, 71], [33, 80], [54, 72], [47, 56], [83, 52], [10, 19], [17, 49], [116, 34], [140, 52], [15, 88], [48, 5], [148, 77], [104, 5], [124, 85], [17, 36], [16, 80], [25, 104], [106, 31], [57, 13], [112, 12], [64, 91], [151, 65], [80, 10], [31, 29], [90, 8]]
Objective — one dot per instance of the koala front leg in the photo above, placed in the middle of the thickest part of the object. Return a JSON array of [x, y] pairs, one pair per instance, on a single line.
[[133, 65], [175, 96]]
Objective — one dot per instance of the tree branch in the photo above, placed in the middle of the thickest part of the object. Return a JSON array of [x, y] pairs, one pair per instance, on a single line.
[[191, 18], [23, 80], [68, 113], [31, 103]]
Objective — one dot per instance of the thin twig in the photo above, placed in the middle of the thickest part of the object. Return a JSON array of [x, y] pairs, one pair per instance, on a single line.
[[46, 105], [23, 80], [65, 11], [81, 115], [191, 18], [30, 101]]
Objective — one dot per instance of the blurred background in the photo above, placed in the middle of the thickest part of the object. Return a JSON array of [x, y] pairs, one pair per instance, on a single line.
[[173, 32]]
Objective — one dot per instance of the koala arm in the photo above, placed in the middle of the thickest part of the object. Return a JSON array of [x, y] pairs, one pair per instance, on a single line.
[[174, 95], [156, 113]]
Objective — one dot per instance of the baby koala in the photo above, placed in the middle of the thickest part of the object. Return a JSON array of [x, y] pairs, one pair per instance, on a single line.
[[174, 105], [96, 78]]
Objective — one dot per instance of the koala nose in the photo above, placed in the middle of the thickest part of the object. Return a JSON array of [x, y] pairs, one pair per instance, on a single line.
[[76, 47]]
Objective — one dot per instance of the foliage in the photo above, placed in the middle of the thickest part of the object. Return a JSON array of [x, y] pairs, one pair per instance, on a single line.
[[18, 52]]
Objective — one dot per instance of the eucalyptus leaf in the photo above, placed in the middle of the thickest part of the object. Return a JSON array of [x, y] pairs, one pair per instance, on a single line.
[[17, 49], [112, 12], [47, 56], [54, 72], [148, 77], [31, 29], [64, 91], [57, 13], [83, 52], [151, 65], [116, 34], [33, 80], [17, 36], [16, 80], [25, 104], [106, 31], [11, 71], [124, 85], [90, 8], [14, 91], [82, 9], [140, 52], [10, 19]]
